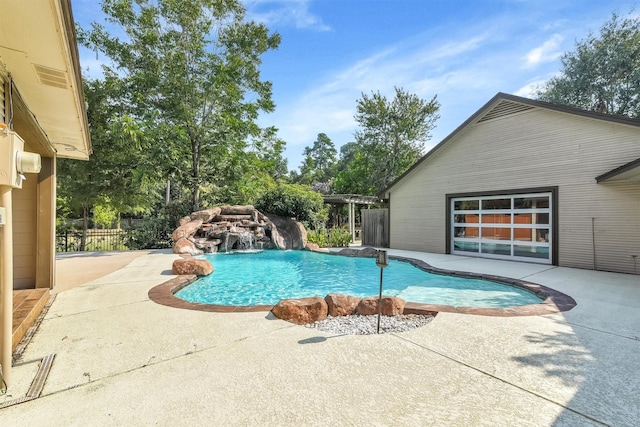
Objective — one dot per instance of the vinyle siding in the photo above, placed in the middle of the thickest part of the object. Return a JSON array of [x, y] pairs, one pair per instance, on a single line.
[[604, 216], [24, 233], [537, 148]]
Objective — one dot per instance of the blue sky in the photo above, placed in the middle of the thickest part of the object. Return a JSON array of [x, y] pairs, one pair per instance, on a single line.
[[463, 51]]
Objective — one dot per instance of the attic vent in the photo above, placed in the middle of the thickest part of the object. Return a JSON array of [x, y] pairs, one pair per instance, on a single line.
[[51, 77], [504, 108]]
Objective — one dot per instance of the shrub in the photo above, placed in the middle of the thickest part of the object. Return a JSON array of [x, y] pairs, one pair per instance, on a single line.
[[339, 237], [336, 237], [294, 201], [318, 237], [153, 233], [155, 230]]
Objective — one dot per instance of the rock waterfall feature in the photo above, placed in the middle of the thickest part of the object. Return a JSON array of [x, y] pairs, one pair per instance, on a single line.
[[233, 228]]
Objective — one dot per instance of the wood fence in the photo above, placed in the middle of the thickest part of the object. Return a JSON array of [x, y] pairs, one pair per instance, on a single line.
[[375, 227]]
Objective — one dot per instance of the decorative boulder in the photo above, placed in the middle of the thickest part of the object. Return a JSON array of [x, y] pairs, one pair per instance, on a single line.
[[184, 246], [206, 215], [287, 233], [392, 306], [389, 306], [341, 305], [187, 230], [301, 311], [185, 219], [199, 267], [314, 247], [363, 253], [367, 306], [237, 210]]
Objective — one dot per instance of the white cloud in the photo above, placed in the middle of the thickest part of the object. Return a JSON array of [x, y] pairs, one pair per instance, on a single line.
[[463, 68], [547, 52], [529, 90], [425, 69], [285, 12]]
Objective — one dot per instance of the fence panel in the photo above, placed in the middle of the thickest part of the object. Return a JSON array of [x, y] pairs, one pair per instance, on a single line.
[[97, 240], [375, 227]]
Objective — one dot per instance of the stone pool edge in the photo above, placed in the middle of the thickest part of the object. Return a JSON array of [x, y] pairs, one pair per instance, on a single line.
[[553, 301]]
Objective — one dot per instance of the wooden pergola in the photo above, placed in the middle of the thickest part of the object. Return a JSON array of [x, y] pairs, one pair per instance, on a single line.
[[351, 200]]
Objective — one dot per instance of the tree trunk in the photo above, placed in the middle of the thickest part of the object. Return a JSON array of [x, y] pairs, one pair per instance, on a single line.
[[195, 201]]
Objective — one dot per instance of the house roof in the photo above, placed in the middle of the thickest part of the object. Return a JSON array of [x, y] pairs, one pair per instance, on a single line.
[[38, 48], [503, 104], [628, 172]]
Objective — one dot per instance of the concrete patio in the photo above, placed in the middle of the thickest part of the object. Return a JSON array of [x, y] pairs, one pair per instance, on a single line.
[[121, 359]]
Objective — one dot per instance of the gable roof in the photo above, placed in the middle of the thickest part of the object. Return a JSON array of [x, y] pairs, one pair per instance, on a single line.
[[503, 104], [629, 172], [39, 51]]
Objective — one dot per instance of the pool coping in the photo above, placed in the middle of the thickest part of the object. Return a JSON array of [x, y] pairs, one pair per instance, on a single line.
[[552, 301]]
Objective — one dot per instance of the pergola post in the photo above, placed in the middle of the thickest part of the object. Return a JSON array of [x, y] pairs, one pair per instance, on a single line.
[[352, 220], [351, 200]]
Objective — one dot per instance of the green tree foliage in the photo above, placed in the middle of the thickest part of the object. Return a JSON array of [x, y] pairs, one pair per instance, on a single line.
[[190, 75], [319, 161], [390, 140], [157, 226], [105, 214], [113, 178], [356, 177], [294, 201], [347, 154], [258, 170], [603, 72]]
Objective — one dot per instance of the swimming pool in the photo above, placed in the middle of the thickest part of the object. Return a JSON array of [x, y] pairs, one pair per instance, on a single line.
[[264, 278]]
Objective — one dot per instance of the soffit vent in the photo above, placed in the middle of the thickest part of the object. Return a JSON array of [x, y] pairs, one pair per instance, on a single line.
[[505, 108], [51, 77]]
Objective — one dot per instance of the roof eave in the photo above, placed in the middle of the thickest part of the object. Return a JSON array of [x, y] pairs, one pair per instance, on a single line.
[[72, 40], [629, 172], [489, 105]]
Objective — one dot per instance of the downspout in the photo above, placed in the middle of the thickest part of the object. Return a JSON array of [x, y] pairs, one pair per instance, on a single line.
[[6, 284]]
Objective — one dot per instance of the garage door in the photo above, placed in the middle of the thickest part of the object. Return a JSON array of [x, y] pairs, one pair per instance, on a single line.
[[516, 227]]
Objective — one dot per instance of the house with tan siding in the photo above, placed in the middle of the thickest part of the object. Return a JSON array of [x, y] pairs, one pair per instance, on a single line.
[[529, 181], [42, 114]]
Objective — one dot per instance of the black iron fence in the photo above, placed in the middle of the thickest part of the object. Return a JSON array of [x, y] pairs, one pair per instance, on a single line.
[[95, 241]]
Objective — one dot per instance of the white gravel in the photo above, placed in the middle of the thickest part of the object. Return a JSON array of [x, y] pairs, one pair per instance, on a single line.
[[364, 325]]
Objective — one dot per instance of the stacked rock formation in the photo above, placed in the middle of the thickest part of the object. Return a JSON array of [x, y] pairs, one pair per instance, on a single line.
[[231, 228], [312, 309]]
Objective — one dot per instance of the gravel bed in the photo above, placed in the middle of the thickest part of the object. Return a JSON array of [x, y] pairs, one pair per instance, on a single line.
[[365, 325]]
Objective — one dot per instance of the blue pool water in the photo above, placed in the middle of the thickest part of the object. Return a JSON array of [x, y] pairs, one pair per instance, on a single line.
[[264, 278]]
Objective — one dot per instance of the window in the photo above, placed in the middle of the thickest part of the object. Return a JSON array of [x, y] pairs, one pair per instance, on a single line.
[[513, 227]]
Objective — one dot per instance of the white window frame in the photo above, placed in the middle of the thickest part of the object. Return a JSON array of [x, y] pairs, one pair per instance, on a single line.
[[512, 226]]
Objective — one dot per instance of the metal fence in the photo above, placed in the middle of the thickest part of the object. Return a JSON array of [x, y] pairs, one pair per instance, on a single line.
[[97, 240]]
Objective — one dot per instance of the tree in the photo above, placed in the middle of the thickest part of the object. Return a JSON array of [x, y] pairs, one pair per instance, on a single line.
[[355, 178], [190, 74], [392, 136], [114, 179], [603, 72], [319, 161], [347, 154], [262, 166]]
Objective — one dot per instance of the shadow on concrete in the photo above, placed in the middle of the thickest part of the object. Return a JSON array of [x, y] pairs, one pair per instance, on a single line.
[[600, 365]]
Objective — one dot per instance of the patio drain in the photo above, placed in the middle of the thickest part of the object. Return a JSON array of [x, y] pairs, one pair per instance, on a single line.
[[37, 385]]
